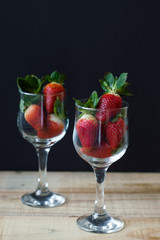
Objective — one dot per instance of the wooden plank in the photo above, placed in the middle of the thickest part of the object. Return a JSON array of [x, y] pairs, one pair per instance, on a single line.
[[134, 197], [139, 195], [83, 182], [77, 204], [64, 228]]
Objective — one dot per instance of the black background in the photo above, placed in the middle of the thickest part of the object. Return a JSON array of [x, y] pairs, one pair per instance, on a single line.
[[83, 39]]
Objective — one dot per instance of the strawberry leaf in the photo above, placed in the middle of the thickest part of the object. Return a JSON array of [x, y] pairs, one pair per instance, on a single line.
[[109, 78], [104, 85], [111, 84], [121, 80], [57, 77], [123, 91], [59, 109]]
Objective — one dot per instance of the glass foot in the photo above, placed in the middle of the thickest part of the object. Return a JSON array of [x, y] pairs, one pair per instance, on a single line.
[[44, 200], [100, 223]]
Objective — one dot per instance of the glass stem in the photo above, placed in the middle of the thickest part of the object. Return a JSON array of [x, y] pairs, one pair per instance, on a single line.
[[42, 154], [100, 207]]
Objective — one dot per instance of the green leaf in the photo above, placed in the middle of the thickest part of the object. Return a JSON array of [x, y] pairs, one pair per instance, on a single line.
[[89, 104], [78, 102], [59, 109], [104, 85], [57, 77], [121, 80], [45, 78], [92, 101], [109, 78], [94, 98], [29, 84], [124, 92]]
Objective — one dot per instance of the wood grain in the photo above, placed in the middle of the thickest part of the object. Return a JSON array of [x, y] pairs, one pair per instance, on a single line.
[[134, 197]]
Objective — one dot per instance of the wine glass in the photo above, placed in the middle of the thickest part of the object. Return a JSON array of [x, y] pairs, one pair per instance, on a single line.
[[100, 144], [42, 130]]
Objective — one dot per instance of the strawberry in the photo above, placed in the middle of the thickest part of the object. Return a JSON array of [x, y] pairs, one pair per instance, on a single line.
[[34, 115], [111, 99], [51, 92], [53, 127], [86, 128], [106, 102], [102, 151], [115, 132]]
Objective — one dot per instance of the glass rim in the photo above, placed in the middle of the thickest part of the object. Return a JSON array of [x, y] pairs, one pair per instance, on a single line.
[[126, 105], [41, 94]]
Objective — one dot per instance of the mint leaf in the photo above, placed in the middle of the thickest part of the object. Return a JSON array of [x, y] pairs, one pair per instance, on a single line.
[[89, 104], [121, 80], [94, 98], [29, 84], [55, 75], [78, 102], [109, 78], [92, 101], [59, 109]]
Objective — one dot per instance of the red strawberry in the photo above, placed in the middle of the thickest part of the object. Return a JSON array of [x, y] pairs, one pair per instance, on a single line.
[[102, 151], [53, 127], [51, 91], [86, 128], [113, 87], [106, 103], [34, 115], [115, 132]]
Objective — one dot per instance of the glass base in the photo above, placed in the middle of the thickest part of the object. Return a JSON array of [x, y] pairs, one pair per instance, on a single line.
[[100, 223], [44, 200]]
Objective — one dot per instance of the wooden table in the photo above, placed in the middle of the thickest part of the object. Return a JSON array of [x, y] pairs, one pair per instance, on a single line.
[[134, 197]]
